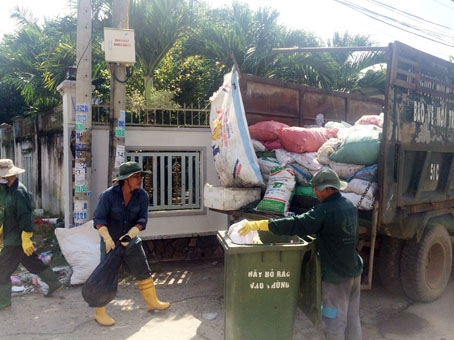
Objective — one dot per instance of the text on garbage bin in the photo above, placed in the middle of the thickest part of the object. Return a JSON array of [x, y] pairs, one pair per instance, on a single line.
[[269, 274]]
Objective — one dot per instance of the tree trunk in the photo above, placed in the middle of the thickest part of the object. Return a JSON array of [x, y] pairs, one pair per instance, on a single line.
[[148, 82]]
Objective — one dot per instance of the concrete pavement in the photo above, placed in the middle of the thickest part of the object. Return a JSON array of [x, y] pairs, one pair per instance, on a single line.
[[195, 289]]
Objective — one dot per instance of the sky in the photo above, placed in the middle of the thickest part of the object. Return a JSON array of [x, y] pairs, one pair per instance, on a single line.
[[429, 19]]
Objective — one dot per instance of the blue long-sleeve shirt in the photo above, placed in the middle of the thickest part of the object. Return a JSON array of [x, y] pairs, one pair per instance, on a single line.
[[112, 212], [335, 222]]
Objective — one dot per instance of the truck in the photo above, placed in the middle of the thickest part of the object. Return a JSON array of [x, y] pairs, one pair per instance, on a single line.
[[405, 239]]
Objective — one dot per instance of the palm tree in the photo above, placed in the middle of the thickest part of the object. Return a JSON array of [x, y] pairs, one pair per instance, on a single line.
[[21, 56], [34, 58], [350, 66], [11, 103], [157, 25], [251, 37], [236, 31]]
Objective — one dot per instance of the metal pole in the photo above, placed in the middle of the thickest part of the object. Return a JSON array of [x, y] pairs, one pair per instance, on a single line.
[[120, 19], [83, 126]]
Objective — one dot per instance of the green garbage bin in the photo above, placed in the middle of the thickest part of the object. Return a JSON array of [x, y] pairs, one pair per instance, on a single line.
[[261, 285]]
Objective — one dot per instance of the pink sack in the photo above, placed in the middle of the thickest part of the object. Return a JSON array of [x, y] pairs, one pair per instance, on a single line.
[[300, 139], [273, 144], [266, 131]]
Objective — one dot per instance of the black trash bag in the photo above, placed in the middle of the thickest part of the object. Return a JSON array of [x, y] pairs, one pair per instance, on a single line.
[[101, 286]]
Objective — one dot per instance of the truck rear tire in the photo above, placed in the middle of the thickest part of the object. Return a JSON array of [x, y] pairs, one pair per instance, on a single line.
[[388, 264], [426, 265]]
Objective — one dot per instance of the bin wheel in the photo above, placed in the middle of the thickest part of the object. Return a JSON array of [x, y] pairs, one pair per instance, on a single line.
[[426, 265], [388, 264]]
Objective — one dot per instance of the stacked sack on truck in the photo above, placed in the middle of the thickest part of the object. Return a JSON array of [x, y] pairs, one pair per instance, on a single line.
[[351, 151]]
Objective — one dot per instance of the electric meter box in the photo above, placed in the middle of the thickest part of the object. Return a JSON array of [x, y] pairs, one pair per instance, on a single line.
[[119, 45]]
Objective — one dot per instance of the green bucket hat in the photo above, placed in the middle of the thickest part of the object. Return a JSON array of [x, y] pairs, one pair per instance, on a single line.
[[327, 178], [128, 169]]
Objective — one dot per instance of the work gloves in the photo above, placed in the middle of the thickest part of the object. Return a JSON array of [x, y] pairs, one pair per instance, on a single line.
[[253, 225], [126, 238], [104, 233], [27, 244]]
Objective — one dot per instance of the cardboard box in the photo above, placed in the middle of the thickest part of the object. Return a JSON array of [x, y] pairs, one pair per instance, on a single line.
[[229, 198]]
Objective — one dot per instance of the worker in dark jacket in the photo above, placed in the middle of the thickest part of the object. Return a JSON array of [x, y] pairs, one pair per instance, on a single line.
[[120, 214], [17, 232], [335, 223]]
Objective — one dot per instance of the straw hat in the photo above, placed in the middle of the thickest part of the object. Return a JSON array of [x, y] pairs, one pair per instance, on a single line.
[[8, 169]]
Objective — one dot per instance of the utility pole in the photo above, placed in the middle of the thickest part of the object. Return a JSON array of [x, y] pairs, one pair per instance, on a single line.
[[118, 78], [83, 119]]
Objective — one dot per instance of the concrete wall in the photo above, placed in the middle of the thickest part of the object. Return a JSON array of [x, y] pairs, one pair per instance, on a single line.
[[44, 176], [51, 174], [166, 224], [42, 158]]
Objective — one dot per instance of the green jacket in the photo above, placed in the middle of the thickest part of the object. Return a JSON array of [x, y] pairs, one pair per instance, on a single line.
[[335, 222], [17, 216], [2, 201]]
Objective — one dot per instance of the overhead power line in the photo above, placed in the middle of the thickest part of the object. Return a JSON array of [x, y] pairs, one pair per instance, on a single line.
[[413, 24]]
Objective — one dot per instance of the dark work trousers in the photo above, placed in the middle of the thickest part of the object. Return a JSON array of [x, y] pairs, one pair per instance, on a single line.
[[340, 309], [12, 256], [135, 258]]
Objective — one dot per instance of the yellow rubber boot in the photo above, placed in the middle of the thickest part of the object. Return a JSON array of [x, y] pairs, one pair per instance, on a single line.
[[148, 292], [102, 317]]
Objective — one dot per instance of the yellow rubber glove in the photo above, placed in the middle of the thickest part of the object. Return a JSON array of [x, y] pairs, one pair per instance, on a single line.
[[104, 233], [253, 225], [133, 232], [27, 244], [1, 235]]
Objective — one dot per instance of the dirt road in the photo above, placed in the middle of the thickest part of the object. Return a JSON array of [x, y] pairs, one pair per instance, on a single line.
[[196, 291]]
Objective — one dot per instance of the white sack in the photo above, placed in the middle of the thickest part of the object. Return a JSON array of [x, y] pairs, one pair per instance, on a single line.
[[81, 248], [233, 153], [366, 203], [359, 186]]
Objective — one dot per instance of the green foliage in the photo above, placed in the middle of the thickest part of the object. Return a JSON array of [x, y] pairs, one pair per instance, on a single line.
[[34, 58], [162, 98], [20, 60], [11, 103], [183, 49], [251, 37], [157, 25], [136, 103], [349, 66], [191, 78]]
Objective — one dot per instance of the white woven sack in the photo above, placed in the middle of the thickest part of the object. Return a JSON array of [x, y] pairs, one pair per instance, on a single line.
[[233, 153]]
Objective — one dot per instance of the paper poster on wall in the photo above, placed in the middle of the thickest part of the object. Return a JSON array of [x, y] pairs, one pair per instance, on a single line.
[[81, 116], [80, 212], [122, 119], [80, 182], [81, 121], [119, 132], [82, 107], [119, 155]]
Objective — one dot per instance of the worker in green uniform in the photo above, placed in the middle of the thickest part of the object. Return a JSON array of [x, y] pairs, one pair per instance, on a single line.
[[16, 235], [335, 223]]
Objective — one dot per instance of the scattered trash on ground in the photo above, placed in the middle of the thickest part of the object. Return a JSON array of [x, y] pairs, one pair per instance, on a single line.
[[24, 282]]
